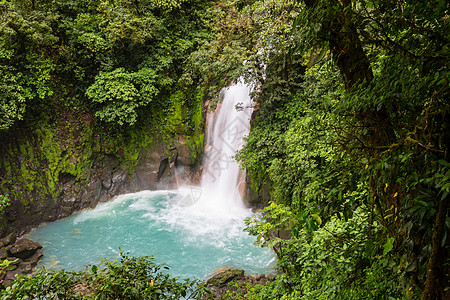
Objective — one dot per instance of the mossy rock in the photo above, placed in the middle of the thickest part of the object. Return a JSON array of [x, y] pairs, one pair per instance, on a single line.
[[223, 278]]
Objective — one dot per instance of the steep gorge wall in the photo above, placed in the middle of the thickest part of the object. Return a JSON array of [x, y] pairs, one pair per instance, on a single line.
[[50, 172]]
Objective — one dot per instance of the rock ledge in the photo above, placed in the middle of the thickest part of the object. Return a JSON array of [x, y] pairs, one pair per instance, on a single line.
[[21, 257]]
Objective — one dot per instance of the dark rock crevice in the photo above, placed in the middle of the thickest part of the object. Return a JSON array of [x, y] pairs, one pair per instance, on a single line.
[[162, 169]]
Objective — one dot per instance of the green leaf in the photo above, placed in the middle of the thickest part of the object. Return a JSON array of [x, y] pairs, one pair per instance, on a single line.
[[316, 219], [388, 245]]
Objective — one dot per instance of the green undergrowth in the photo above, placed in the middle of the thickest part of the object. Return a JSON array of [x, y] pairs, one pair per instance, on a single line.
[[126, 278]]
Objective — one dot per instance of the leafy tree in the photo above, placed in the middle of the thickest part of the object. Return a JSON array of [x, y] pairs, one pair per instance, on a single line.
[[22, 35], [121, 93], [12, 99], [168, 5], [364, 131]]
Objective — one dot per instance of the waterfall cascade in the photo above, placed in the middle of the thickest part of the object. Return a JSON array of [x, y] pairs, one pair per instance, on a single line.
[[195, 230], [222, 175], [227, 127]]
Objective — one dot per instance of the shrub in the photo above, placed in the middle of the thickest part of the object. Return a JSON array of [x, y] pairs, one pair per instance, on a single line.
[[128, 278]]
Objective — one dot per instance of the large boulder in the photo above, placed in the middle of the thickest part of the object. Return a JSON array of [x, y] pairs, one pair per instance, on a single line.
[[8, 240], [24, 248], [34, 259], [23, 256], [223, 276]]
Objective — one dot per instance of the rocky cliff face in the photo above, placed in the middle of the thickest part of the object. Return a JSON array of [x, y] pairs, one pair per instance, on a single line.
[[256, 196], [158, 166]]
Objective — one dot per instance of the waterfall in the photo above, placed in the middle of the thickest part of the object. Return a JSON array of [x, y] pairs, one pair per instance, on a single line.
[[195, 229], [220, 194], [226, 128]]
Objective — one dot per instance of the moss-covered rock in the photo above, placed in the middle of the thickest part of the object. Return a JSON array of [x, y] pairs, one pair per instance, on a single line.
[[224, 276], [48, 180]]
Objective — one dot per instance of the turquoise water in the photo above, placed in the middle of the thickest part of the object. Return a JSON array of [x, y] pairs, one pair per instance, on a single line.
[[192, 241]]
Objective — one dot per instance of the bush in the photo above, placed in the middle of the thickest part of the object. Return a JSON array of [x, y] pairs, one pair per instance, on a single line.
[[120, 94], [129, 278]]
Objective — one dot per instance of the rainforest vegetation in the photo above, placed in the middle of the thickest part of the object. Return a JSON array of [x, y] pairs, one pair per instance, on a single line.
[[350, 135]]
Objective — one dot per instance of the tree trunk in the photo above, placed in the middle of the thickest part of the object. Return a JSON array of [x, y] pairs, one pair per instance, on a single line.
[[354, 66], [347, 50], [433, 287]]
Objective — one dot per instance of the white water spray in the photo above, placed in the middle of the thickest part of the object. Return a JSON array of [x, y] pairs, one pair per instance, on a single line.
[[222, 176], [217, 204]]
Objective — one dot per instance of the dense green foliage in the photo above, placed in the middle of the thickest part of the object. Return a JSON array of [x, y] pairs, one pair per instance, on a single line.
[[129, 278], [84, 80], [121, 94], [352, 136], [53, 52]]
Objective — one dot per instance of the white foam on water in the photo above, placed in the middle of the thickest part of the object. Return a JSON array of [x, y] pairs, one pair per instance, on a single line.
[[214, 210]]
